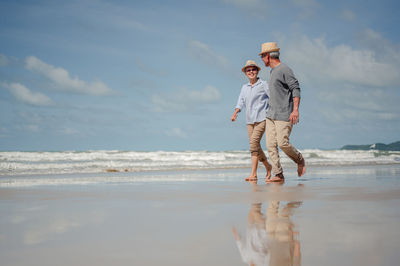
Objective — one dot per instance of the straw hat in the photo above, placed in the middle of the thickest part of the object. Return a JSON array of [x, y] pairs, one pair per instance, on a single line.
[[269, 47], [250, 63]]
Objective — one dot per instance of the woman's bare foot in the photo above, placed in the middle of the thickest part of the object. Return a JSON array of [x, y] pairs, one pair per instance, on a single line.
[[301, 168]]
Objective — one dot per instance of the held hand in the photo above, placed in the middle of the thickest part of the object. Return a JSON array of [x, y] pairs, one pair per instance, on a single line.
[[294, 117]]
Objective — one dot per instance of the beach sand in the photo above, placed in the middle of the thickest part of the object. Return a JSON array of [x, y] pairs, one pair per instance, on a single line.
[[333, 216]]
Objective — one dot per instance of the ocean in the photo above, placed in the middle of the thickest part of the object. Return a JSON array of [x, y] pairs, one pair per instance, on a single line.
[[82, 167], [74, 162]]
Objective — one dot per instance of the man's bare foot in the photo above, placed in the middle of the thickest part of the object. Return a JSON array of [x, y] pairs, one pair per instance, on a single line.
[[277, 178], [251, 178], [301, 168]]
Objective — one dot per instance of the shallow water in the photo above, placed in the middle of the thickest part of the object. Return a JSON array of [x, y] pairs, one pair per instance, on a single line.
[[332, 216]]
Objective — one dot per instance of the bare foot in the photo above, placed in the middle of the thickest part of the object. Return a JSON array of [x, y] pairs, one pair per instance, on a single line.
[[277, 178], [251, 178], [301, 168], [269, 170]]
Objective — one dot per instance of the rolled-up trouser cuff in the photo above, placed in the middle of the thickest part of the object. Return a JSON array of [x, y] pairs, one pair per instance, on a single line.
[[255, 132]]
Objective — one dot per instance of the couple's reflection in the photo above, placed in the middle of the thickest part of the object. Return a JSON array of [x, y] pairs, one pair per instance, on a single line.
[[270, 239]]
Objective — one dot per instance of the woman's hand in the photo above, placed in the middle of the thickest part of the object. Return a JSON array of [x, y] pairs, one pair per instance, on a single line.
[[235, 233], [234, 116]]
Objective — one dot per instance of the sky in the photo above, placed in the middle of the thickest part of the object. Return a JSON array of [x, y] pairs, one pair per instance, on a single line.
[[165, 75]]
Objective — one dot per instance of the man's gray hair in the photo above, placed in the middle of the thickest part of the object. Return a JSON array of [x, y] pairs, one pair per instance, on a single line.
[[274, 55]]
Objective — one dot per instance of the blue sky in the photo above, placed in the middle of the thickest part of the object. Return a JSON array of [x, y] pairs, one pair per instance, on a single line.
[[165, 75]]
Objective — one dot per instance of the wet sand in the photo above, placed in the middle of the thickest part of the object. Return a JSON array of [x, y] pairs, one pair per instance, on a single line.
[[332, 216]]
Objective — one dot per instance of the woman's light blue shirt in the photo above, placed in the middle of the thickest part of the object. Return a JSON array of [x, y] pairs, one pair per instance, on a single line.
[[255, 99]]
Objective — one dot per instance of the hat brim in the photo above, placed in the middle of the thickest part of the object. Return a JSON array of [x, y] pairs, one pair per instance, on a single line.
[[269, 51], [244, 68]]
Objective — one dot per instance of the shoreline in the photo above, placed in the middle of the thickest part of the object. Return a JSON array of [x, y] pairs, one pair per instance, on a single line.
[[286, 165], [181, 176]]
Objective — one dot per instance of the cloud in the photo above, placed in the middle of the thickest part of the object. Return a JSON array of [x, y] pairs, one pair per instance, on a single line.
[[373, 40], [176, 132], [184, 99], [31, 128], [40, 225], [143, 66], [68, 131], [357, 117], [41, 234], [3, 132], [123, 22], [341, 63], [256, 8], [207, 55], [62, 80], [351, 83], [348, 15], [305, 3], [109, 14], [3, 60], [307, 7], [25, 95], [360, 104]]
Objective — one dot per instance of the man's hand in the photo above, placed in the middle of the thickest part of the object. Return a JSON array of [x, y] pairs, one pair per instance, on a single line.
[[294, 117]]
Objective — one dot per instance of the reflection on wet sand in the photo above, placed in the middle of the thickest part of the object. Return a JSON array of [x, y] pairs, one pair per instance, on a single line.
[[270, 239]]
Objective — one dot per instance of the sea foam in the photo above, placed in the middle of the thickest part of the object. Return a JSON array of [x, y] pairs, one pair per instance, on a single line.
[[72, 162]]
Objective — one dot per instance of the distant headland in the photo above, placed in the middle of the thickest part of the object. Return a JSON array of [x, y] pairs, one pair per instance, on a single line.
[[395, 146]]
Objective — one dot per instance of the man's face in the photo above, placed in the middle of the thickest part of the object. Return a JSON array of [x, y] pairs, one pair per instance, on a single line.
[[266, 59]]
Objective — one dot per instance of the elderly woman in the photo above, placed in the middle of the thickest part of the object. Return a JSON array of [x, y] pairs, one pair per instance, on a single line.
[[254, 97]]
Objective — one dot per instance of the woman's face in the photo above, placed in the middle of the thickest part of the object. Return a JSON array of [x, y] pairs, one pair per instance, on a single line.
[[251, 72]]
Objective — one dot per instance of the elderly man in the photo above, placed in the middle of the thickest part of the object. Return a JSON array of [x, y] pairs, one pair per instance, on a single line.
[[283, 111]]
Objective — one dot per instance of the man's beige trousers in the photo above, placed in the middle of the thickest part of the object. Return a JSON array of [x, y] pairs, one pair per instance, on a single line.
[[277, 135]]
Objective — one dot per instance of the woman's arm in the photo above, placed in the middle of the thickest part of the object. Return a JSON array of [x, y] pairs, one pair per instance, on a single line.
[[234, 116]]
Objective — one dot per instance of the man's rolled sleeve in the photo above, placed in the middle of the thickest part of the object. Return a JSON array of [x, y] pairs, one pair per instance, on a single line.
[[296, 92], [293, 83]]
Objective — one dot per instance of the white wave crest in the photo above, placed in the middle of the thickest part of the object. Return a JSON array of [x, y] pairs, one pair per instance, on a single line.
[[68, 162]]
